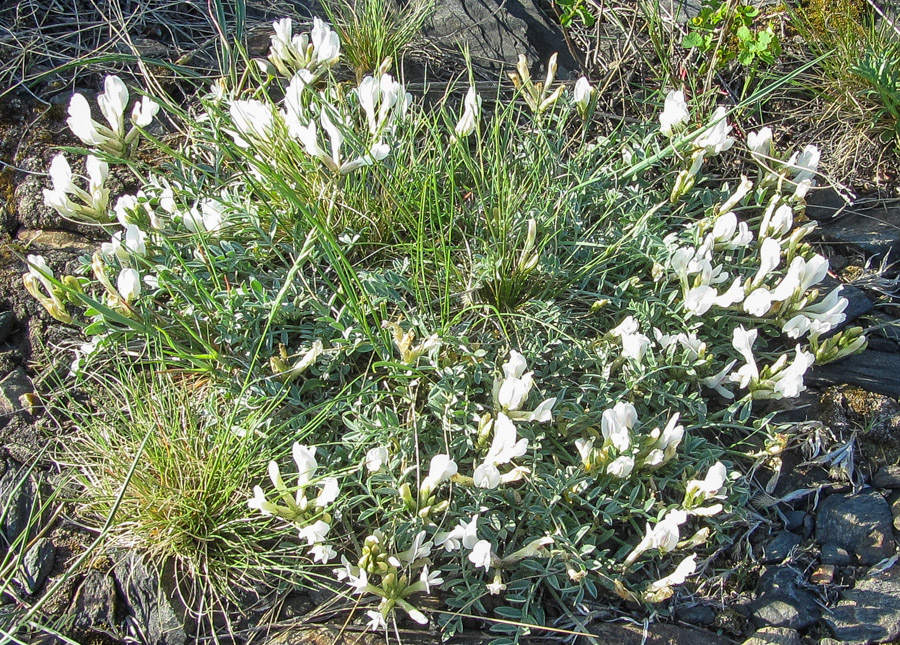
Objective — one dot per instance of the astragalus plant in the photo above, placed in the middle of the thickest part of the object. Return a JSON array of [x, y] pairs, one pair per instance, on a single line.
[[517, 352]]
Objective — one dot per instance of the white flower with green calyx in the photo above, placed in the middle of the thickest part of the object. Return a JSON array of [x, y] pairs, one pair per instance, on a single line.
[[113, 102], [663, 536], [675, 113], [315, 52], [333, 124], [512, 391], [91, 204], [699, 491], [504, 448], [39, 277], [582, 95], [309, 516], [469, 119], [538, 96], [616, 424], [684, 569], [714, 139], [760, 145]]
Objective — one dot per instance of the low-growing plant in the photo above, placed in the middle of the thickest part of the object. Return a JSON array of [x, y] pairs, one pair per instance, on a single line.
[[520, 360]]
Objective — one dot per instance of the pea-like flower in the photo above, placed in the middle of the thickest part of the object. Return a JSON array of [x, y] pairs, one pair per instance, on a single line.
[[469, 119], [113, 102], [582, 96], [91, 204], [675, 113], [616, 424]]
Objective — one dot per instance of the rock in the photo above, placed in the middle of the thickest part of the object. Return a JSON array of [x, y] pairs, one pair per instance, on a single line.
[[152, 600], [17, 490], [36, 565], [696, 615], [781, 602], [874, 371], [497, 31], [835, 554], [774, 636], [861, 523], [870, 612], [13, 387], [875, 232], [793, 520], [825, 203], [95, 604], [823, 575], [780, 547], [895, 511], [43, 241], [7, 322], [887, 477], [325, 635], [656, 634]]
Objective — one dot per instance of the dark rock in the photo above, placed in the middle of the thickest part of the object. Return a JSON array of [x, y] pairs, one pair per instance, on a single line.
[[782, 602], [95, 604], [825, 203], [887, 477], [497, 31], [873, 371], [15, 385], [777, 550], [836, 555], [774, 636], [862, 524], [793, 520], [656, 634], [17, 490], [696, 615], [37, 564], [870, 612], [7, 322], [875, 232], [323, 635], [152, 600]]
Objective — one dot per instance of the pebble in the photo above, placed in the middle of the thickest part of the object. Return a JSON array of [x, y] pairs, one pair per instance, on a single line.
[[780, 547], [870, 612], [774, 636], [862, 524], [835, 554], [781, 602], [887, 477]]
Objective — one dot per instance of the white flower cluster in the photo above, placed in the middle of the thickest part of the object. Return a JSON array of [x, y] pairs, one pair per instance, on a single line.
[[315, 52], [309, 516], [111, 138]]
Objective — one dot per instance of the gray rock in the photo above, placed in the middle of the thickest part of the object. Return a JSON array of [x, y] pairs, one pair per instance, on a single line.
[[780, 547], [95, 604], [875, 232], [7, 322], [870, 612], [12, 388], [497, 31], [887, 477], [37, 564], [152, 600], [825, 203], [836, 555], [17, 490], [774, 636], [873, 371], [696, 615], [794, 520], [782, 602], [862, 524]]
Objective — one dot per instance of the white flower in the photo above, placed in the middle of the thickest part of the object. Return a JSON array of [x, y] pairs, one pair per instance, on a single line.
[[699, 300], [496, 587], [760, 145], [742, 341], [616, 424], [144, 111], [258, 502], [315, 532], [685, 568], [513, 390], [420, 548], [715, 138], [254, 121], [818, 318], [376, 458], [482, 555], [740, 192], [805, 164], [715, 382], [769, 259], [464, 535], [486, 476], [582, 94], [305, 458], [467, 122], [376, 620], [788, 383], [328, 492], [326, 43], [620, 467], [81, 124], [675, 113], [713, 485], [112, 104], [441, 469], [758, 302], [322, 552], [129, 284]]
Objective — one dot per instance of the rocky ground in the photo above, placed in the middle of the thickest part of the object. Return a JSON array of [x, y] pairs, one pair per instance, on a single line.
[[821, 555]]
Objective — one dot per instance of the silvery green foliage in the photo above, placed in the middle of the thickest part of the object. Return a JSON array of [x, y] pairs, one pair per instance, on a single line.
[[525, 387]]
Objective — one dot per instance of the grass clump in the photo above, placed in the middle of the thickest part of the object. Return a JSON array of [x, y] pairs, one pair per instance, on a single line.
[[519, 360]]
